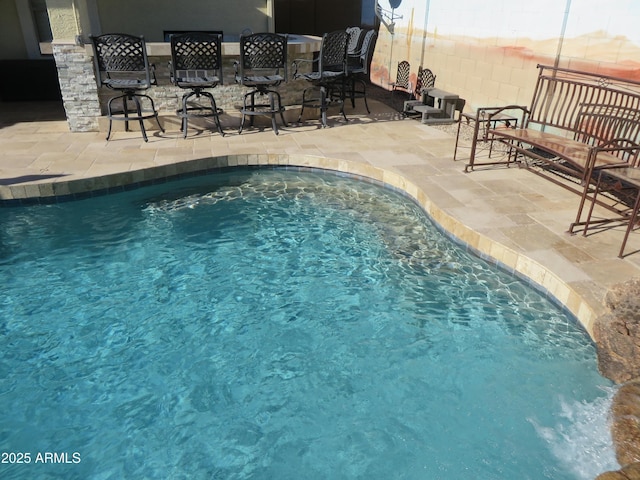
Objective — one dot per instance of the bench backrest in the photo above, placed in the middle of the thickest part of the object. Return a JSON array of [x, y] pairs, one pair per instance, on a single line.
[[614, 126], [598, 122], [585, 106]]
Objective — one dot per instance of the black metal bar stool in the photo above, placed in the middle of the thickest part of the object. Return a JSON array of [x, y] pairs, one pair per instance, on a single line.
[[262, 67], [358, 65], [329, 77], [121, 64], [196, 64]]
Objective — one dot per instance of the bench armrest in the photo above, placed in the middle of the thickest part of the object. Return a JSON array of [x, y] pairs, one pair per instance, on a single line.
[[493, 111], [627, 150], [488, 116]]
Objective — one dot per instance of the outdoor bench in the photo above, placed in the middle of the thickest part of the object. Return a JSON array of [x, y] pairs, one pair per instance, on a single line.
[[577, 123]]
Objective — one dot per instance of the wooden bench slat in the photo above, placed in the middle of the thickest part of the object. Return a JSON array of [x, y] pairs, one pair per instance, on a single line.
[[575, 152]]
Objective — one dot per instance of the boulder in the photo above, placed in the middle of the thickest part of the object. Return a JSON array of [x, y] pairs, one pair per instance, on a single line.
[[617, 333], [630, 472], [611, 476], [625, 423]]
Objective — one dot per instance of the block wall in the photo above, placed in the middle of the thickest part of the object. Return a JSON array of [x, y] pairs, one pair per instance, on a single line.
[[487, 51]]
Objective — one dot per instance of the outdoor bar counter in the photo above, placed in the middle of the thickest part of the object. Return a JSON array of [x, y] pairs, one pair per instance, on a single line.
[[85, 103]]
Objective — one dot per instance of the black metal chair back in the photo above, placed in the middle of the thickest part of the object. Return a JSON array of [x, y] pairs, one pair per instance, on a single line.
[[196, 59], [333, 53], [329, 74], [402, 77], [426, 79], [263, 59], [196, 64], [365, 54], [121, 62], [358, 66], [262, 66], [356, 36]]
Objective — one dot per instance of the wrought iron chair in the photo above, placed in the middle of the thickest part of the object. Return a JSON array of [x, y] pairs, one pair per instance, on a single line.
[[356, 36], [358, 65], [262, 67], [122, 65], [402, 82], [196, 64], [329, 77], [426, 79]]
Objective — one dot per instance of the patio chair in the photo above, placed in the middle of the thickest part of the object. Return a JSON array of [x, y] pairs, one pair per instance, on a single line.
[[425, 80], [358, 65], [121, 64], [331, 69], [402, 82], [196, 64], [262, 67], [354, 43]]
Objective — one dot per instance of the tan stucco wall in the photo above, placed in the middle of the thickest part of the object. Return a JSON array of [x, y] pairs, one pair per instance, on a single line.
[[487, 52], [151, 17], [11, 39]]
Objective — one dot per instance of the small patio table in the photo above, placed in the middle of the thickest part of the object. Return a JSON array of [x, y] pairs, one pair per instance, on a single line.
[[482, 121]]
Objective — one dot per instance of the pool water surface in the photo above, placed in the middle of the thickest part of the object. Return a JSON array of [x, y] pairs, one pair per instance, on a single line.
[[271, 324]]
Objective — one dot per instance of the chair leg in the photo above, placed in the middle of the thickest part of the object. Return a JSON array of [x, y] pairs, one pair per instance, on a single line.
[[131, 96], [275, 104], [244, 108], [110, 120], [110, 113], [593, 204], [184, 111], [272, 106], [216, 113], [304, 92], [155, 112], [125, 111], [364, 94], [581, 205], [342, 97], [269, 103], [353, 92], [109, 130], [136, 101], [323, 105], [281, 110], [632, 221], [252, 108]]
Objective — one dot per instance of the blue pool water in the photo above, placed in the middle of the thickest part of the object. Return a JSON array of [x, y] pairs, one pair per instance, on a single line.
[[269, 324]]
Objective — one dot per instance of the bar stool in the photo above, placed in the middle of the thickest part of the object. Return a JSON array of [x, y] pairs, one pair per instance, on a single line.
[[122, 65], [358, 64], [196, 64], [403, 82], [328, 77], [262, 67]]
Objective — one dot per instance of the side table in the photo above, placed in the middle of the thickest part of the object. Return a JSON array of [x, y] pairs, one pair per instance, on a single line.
[[482, 121]]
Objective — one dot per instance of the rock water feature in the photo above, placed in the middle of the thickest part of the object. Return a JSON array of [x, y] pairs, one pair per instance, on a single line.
[[617, 336]]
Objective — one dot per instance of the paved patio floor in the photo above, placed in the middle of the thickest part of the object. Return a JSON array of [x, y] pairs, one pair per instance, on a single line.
[[507, 214]]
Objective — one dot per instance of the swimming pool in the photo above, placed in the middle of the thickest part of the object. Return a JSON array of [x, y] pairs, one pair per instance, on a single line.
[[281, 324]]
